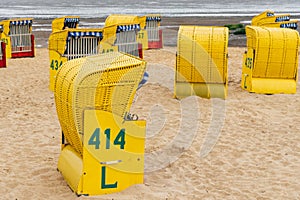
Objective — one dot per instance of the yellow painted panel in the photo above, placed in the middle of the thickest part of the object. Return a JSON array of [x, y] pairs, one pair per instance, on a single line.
[[113, 154], [273, 86], [205, 90], [71, 167], [247, 67], [143, 38]]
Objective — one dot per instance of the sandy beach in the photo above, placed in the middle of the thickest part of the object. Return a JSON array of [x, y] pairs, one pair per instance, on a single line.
[[255, 154]]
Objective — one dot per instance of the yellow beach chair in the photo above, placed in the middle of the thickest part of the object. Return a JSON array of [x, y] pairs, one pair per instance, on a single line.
[[269, 19], [262, 16], [18, 36], [65, 22], [69, 44], [272, 19], [121, 34], [150, 34], [201, 63], [271, 62], [102, 149], [2, 50]]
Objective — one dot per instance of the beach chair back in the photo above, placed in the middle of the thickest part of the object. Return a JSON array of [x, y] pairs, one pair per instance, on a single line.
[[17, 33], [65, 22], [121, 34], [70, 44], [201, 63], [92, 96], [271, 61]]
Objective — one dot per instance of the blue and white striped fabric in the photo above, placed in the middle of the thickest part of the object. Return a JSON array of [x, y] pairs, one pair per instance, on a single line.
[[144, 80], [122, 28], [21, 22], [289, 25], [282, 18], [84, 34], [153, 18], [70, 20]]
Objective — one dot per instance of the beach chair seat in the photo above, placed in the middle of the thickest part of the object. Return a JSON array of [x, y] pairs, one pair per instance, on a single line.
[[201, 62], [271, 62], [102, 152]]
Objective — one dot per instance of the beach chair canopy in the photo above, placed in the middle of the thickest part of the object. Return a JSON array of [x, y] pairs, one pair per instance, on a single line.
[[65, 22], [105, 82], [76, 43]]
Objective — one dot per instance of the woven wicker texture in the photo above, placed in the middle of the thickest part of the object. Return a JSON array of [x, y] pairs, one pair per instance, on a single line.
[[275, 51], [117, 19], [202, 54], [106, 81]]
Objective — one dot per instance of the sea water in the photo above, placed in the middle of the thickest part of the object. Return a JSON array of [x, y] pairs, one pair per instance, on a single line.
[[168, 8]]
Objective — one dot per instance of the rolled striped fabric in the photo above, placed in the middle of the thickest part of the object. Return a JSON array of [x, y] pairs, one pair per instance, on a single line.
[[144, 80]]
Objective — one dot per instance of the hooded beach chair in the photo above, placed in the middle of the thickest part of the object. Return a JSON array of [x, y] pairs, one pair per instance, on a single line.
[[120, 33], [69, 44], [201, 62], [102, 150], [150, 34], [18, 36], [271, 62], [269, 19]]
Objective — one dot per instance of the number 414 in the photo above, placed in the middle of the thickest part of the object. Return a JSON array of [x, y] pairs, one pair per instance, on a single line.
[[95, 138]]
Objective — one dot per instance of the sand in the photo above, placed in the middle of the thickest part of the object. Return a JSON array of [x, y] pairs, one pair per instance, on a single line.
[[246, 147]]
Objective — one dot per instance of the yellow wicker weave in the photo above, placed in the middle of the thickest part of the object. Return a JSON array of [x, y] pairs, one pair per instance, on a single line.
[[271, 61], [106, 81], [201, 61]]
